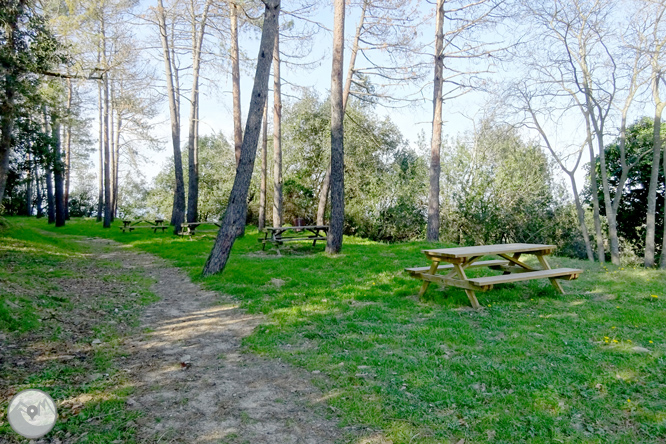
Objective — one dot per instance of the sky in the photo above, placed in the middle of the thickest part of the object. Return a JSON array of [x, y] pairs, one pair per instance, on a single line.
[[459, 114]]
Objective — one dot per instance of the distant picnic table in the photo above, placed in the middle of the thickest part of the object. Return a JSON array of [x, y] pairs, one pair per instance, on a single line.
[[461, 258], [155, 224], [276, 234], [192, 228]]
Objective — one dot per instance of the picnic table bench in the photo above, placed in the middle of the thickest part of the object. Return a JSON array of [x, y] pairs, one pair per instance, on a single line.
[[276, 234], [460, 259], [191, 228], [131, 225]]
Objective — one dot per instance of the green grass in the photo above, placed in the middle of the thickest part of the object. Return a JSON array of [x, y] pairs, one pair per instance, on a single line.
[[37, 308], [532, 366]]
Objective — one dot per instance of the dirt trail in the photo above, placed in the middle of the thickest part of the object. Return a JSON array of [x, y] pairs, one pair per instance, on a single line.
[[223, 395]]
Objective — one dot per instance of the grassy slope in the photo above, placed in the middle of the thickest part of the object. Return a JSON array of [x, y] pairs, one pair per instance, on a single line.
[[533, 366]]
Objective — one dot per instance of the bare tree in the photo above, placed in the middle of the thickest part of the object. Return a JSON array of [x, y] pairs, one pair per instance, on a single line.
[[436, 141], [334, 240], [235, 79], [277, 136], [234, 215], [178, 212], [264, 167]]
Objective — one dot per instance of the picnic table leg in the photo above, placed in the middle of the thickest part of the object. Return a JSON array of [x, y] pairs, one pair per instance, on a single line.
[[470, 293], [426, 284], [546, 266]]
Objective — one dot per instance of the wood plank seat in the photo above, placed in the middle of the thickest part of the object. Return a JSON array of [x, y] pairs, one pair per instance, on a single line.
[[487, 282], [491, 264]]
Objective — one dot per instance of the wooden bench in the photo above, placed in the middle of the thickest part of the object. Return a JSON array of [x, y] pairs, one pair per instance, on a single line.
[[514, 270], [275, 234], [487, 282], [191, 228], [490, 264], [131, 225]]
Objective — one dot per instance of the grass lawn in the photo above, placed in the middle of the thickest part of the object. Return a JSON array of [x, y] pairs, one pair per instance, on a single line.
[[532, 366]]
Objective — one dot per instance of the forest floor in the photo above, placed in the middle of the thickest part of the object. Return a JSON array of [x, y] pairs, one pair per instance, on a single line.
[[330, 347]]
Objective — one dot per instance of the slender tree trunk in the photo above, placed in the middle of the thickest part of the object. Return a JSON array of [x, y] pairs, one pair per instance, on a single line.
[[234, 214], [334, 241], [6, 130], [662, 262], [192, 139], [28, 187], [38, 191], [601, 251], [264, 168], [107, 165], [100, 195], [277, 136], [59, 176], [436, 142], [116, 163], [112, 147], [581, 218], [178, 213], [50, 200], [68, 146], [235, 80], [326, 184], [650, 244]]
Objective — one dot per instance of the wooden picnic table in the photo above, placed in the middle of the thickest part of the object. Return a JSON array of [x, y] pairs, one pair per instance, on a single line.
[[191, 228], [514, 270], [276, 234], [131, 225]]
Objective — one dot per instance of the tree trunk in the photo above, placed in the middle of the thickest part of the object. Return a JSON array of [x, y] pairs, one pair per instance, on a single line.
[[192, 139], [6, 130], [28, 187], [581, 218], [68, 146], [325, 186], [436, 142], [662, 262], [277, 136], [100, 195], [264, 168], [38, 190], [334, 241], [107, 165], [234, 214], [650, 244], [50, 201], [178, 212], [116, 164], [59, 176], [235, 80], [601, 251], [112, 148]]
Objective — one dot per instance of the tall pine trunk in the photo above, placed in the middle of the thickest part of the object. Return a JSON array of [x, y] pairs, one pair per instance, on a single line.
[[50, 200], [334, 238], [192, 138], [235, 80], [68, 146], [264, 167], [326, 184], [237, 206], [107, 164], [178, 212], [116, 162], [277, 136], [59, 176], [38, 191], [436, 142], [100, 194]]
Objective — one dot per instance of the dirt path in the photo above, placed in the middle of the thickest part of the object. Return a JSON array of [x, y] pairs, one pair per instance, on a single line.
[[194, 385]]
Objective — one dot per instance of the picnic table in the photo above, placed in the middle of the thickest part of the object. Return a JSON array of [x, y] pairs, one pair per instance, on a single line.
[[460, 259], [191, 228], [131, 225], [276, 234]]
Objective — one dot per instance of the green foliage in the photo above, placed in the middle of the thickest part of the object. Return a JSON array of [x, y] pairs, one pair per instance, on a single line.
[[633, 207], [497, 188]]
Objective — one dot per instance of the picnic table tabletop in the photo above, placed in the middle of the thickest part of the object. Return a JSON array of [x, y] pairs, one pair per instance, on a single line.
[[514, 270]]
